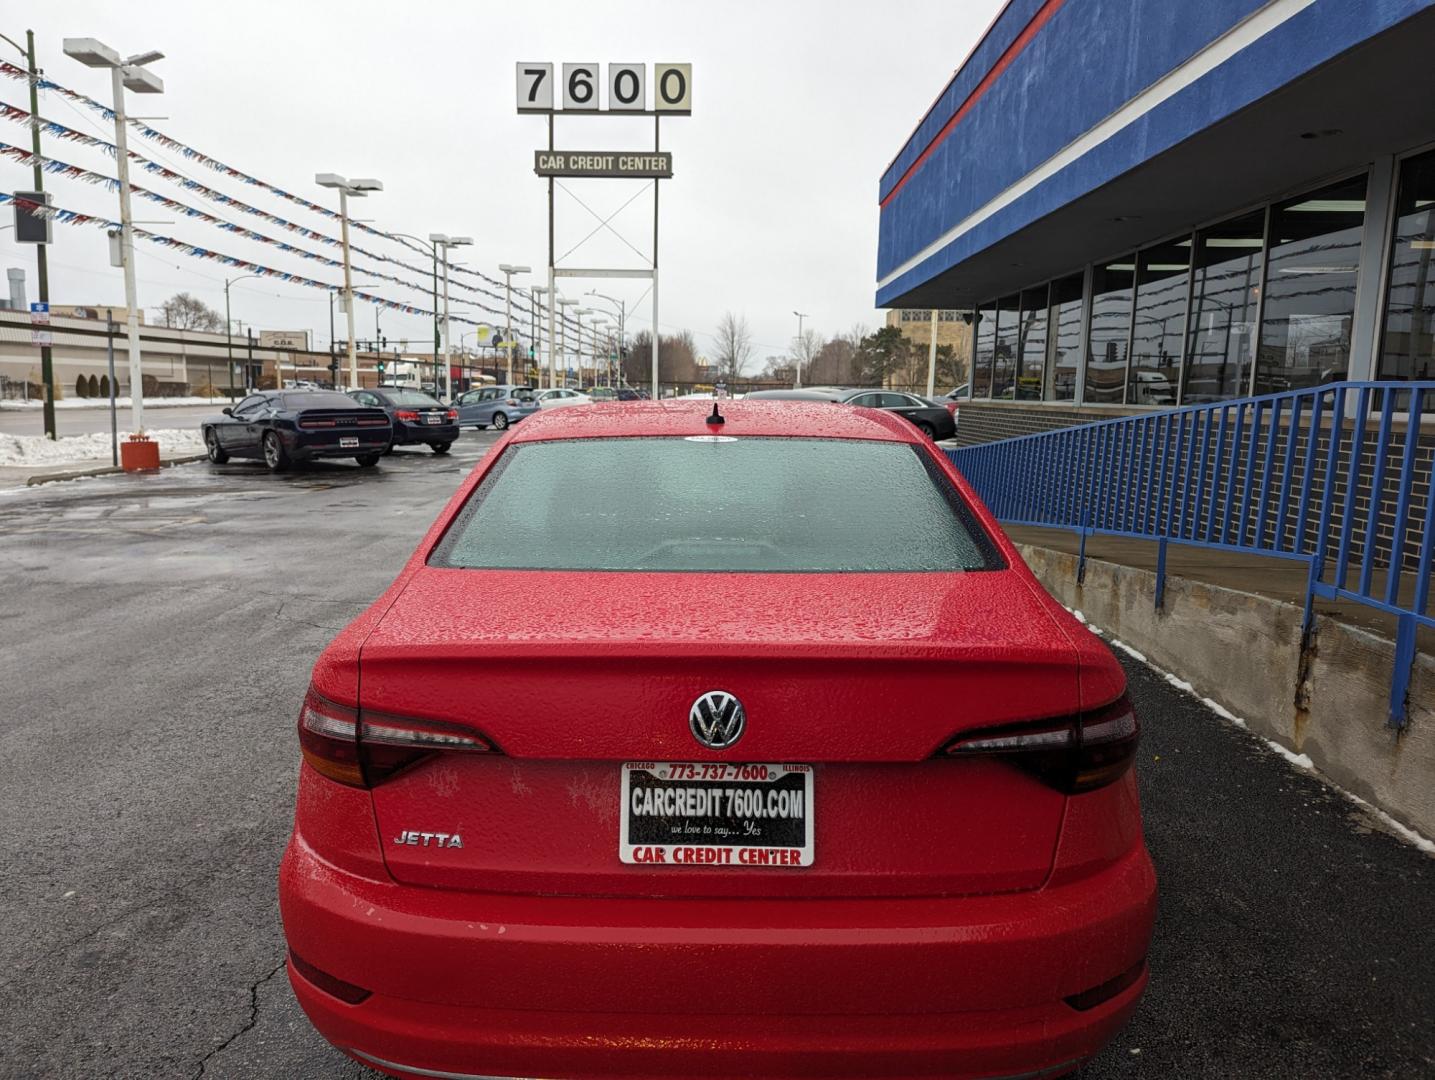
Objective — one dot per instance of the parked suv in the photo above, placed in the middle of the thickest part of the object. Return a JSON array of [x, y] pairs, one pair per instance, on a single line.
[[498, 406]]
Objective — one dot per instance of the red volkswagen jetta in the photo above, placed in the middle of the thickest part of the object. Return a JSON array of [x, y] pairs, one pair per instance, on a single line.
[[686, 748]]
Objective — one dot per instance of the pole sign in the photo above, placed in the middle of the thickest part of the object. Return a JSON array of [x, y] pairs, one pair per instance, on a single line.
[[596, 163], [627, 88]]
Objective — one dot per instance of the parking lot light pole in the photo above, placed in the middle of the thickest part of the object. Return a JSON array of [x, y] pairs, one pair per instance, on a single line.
[[564, 303], [621, 306], [444, 242], [508, 271], [797, 352], [433, 251], [124, 74], [358, 189], [580, 312], [536, 310]]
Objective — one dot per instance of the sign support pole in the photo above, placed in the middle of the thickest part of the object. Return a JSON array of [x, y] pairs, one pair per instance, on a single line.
[[657, 145], [932, 358], [42, 263]]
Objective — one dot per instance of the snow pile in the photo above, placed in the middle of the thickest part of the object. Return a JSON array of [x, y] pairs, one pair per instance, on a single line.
[[90, 449], [120, 402]]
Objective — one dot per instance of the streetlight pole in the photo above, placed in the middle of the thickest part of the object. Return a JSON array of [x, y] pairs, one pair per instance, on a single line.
[[129, 73], [229, 326], [508, 271], [357, 188], [797, 352]]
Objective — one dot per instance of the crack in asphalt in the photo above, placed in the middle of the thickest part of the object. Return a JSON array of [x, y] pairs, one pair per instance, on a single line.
[[248, 1024]]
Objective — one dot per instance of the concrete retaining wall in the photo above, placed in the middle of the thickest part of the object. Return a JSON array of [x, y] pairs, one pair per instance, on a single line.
[[1243, 651]]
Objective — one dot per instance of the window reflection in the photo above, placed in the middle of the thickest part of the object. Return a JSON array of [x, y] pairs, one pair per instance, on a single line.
[[1162, 274], [985, 340], [1031, 344], [1005, 356], [1225, 292], [1110, 329], [1066, 355], [1310, 288], [1408, 350]]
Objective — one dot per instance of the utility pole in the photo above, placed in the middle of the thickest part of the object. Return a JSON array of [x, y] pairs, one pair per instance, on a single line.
[[508, 272], [42, 260]]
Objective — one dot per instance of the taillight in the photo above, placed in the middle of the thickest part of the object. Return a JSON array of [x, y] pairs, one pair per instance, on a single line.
[[514, 402], [1072, 754], [453, 414], [951, 407], [406, 414], [364, 749]]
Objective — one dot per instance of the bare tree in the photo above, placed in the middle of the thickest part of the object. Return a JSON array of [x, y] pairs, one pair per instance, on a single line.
[[734, 346], [183, 311], [804, 348]]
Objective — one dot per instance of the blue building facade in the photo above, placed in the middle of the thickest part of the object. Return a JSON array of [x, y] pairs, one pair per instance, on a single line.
[[1141, 203]]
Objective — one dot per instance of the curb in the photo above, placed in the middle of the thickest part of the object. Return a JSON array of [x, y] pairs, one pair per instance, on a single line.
[[105, 470]]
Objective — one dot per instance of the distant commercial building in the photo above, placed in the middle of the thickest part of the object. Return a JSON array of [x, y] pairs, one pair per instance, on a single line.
[[954, 327], [1148, 204]]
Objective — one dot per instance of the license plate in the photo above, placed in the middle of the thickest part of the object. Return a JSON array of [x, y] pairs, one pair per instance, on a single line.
[[716, 814], [433, 419], [348, 440]]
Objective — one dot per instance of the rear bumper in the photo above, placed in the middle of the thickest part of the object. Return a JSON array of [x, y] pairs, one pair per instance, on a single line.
[[307, 446], [468, 984], [411, 434]]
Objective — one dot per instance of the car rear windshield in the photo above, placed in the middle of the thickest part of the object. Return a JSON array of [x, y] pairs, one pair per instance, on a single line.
[[412, 397], [318, 399], [716, 503]]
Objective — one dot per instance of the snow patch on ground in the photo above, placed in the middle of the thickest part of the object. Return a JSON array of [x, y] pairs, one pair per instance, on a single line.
[[89, 449], [1300, 761], [120, 403]]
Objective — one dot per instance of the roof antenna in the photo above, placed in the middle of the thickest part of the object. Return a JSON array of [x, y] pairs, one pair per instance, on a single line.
[[716, 417]]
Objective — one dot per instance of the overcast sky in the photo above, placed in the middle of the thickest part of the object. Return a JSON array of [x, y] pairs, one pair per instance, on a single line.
[[797, 109]]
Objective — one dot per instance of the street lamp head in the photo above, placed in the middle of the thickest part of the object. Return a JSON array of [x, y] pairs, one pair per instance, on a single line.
[[800, 314], [438, 238], [140, 59], [330, 180], [359, 186], [564, 301], [580, 312], [91, 53], [460, 241], [539, 288], [141, 80], [505, 268]]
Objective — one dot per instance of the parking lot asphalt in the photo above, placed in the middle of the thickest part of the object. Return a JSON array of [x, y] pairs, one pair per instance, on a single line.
[[157, 636]]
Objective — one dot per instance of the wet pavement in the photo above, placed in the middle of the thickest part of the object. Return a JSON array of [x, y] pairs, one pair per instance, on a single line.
[[156, 634]]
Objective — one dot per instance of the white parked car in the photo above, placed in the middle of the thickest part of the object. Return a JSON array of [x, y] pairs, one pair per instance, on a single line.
[[559, 398]]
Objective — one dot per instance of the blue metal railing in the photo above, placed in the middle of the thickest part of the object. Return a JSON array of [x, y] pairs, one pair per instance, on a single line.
[[1298, 475]]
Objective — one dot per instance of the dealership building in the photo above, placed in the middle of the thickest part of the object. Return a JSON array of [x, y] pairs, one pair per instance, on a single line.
[[1138, 204]]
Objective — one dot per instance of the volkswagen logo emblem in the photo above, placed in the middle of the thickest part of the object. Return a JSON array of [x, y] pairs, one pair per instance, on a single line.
[[717, 719]]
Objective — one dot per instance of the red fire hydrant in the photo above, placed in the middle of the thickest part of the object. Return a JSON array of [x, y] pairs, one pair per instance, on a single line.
[[138, 453]]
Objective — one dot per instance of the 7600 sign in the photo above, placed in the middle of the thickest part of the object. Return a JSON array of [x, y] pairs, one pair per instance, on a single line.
[[627, 85]]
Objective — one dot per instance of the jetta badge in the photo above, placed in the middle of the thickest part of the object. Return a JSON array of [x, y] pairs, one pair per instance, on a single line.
[[717, 719]]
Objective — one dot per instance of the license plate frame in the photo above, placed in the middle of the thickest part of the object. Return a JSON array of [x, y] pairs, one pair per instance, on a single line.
[[433, 418], [708, 828], [348, 442]]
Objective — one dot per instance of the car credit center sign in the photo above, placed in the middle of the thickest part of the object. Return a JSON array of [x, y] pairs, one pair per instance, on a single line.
[[650, 164]]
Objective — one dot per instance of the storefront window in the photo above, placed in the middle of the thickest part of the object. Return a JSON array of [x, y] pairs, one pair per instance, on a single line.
[[1005, 358], [1224, 298], [1031, 344], [1408, 351], [1111, 289], [1310, 288], [985, 336], [1066, 350], [1162, 274]]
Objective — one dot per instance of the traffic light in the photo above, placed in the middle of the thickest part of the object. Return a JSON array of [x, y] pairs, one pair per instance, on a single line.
[[530, 352], [380, 366]]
